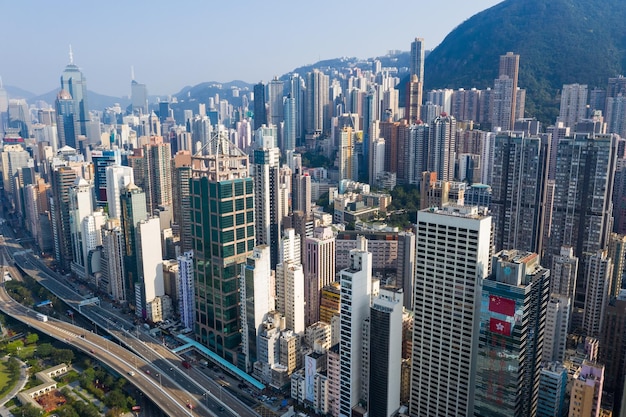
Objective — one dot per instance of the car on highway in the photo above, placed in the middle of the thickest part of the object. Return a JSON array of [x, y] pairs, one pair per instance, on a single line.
[[148, 371], [131, 373], [190, 406]]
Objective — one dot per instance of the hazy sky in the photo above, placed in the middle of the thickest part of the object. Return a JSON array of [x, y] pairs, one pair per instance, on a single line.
[[176, 43]]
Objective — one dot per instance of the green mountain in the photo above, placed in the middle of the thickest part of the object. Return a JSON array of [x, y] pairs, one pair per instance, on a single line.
[[559, 42]]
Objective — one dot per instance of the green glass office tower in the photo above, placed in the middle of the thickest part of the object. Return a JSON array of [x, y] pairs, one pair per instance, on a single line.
[[222, 218], [512, 323]]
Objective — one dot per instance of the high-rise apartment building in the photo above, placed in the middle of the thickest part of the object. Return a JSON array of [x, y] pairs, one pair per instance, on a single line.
[[317, 104], [598, 273], [557, 321], [518, 192], [185, 287], [158, 176], [512, 323], [319, 269], [112, 261], [586, 394], [222, 218], [509, 68], [62, 178], [581, 206], [573, 104], [356, 289], [414, 91], [181, 174], [453, 246], [552, 389], [257, 298], [267, 199], [613, 348], [442, 147]]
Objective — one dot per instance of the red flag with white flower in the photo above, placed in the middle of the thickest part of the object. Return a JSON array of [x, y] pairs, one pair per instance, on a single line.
[[500, 326], [502, 305]]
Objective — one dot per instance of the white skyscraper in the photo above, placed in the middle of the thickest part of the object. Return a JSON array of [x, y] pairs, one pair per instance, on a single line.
[[257, 299], [117, 178], [453, 247], [356, 289], [149, 261], [555, 336], [573, 104], [290, 283], [81, 206], [185, 289]]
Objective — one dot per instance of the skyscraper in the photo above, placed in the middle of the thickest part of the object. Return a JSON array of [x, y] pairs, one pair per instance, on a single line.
[[598, 273], [582, 206], [112, 261], [385, 353], [62, 178], [117, 177], [181, 174], [356, 288], [74, 82], [509, 67], [68, 126], [417, 59], [413, 99], [139, 98], [518, 193], [319, 269], [317, 103], [452, 252], [275, 92], [260, 112], [158, 177], [101, 160], [512, 322], [222, 217], [133, 205], [442, 147], [257, 300], [267, 207], [573, 104]]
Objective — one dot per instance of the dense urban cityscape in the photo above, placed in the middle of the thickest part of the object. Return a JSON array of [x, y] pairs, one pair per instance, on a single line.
[[338, 242]]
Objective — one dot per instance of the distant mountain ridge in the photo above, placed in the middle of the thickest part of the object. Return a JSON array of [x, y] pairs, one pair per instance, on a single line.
[[559, 42]]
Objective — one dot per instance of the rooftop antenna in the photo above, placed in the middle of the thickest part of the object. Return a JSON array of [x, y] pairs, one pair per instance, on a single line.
[[132, 73], [71, 56]]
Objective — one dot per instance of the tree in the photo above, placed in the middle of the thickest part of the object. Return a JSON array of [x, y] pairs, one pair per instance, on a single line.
[[28, 410], [32, 338], [115, 399], [64, 355], [45, 350]]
